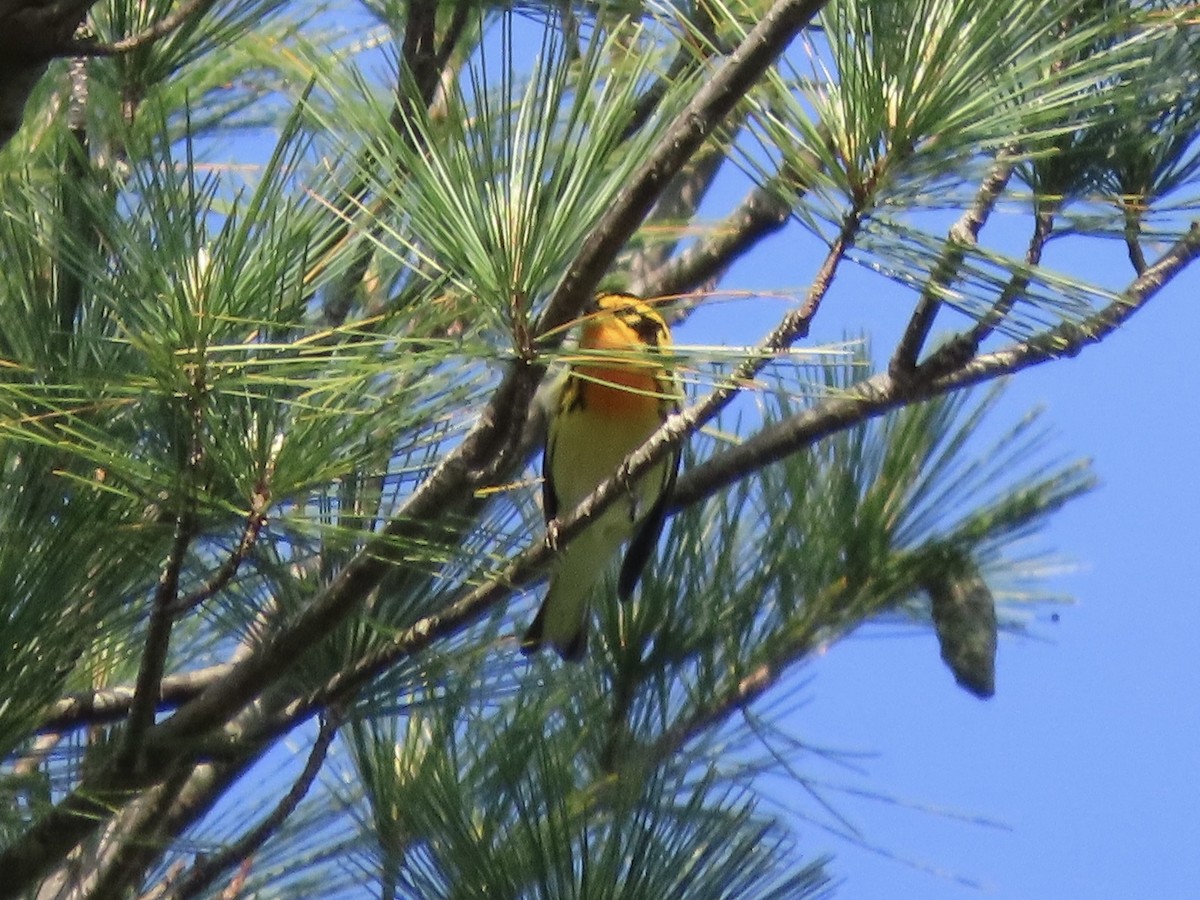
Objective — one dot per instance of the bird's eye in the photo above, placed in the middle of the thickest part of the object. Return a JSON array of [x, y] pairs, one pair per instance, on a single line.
[[647, 329]]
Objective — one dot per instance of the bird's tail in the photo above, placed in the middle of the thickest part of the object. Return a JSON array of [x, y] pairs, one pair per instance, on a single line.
[[562, 622]]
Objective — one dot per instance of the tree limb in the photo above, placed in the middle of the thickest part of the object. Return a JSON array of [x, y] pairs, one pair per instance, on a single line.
[[882, 392], [111, 704], [207, 870], [963, 234]]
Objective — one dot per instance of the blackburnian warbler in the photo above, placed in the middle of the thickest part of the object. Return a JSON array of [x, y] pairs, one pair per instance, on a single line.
[[613, 397]]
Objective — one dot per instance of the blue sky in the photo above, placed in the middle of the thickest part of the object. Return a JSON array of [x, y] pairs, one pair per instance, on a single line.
[[1087, 757]]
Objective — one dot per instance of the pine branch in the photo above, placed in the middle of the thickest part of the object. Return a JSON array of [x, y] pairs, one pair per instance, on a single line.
[[143, 38], [206, 871], [112, 704], [422, 67], [883, 393], [1133, 230], [761, 47], [678, 203], [963, 234], [487, 451]]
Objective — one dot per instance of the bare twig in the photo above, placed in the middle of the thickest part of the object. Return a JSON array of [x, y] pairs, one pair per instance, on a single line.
[[255, 522], [963, 234], [693, 53], [763, 212], [1043, 227], [1132, 208], [206, 871]]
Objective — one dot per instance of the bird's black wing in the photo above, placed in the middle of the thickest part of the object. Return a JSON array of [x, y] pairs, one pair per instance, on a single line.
[[646, 537]]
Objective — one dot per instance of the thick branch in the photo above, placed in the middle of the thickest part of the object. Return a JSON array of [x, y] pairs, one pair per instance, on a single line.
[[488, 448], [112, 704]]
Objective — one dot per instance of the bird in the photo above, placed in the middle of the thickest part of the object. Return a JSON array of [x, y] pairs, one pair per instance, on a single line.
[[613, 396]]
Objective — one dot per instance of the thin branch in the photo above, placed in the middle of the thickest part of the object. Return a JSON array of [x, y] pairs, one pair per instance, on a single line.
[[1043, 227], [255, 522], [154, 654], [143, 38], [72, 189], [741, 695], [207, 870], [963, 234], [693, 53], [1133, 210], [763, 212], [678, 203], [28, 761], [454, 33], [883, 393], [423, 65]]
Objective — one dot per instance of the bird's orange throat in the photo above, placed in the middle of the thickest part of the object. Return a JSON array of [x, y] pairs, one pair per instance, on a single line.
[[620, 392]]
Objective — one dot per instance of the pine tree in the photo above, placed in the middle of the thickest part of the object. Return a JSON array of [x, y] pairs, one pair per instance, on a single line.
[[280, 285]]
